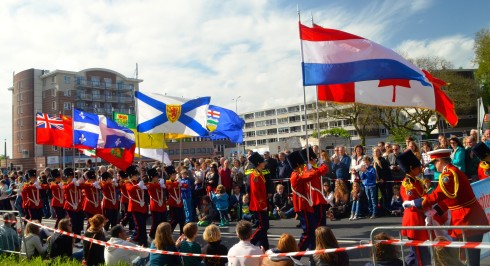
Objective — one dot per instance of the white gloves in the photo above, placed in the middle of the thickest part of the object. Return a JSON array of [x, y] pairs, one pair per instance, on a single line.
[[141, 184], [97, 185], [60, 184], [75, 181], [408, 204], [428, 221], [430, 213], [115, 182], [309, 166], [320, 161], [81, 180], [161, 181], [36, 184]]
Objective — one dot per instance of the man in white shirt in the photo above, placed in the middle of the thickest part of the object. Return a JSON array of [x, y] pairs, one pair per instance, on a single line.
[[117, 256], [244, 247]]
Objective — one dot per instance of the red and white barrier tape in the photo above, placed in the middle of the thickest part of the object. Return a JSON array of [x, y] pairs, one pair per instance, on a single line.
[[419, 243], [164, 252]]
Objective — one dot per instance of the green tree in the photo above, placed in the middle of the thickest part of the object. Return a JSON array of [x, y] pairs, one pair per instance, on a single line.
[[482, 58]]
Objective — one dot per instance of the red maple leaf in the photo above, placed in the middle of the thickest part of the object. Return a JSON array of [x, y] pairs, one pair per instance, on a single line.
[[394, 82]]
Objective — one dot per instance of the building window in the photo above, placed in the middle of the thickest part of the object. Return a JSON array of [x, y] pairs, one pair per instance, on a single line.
[[107, 83], [67, 106], [44, 94], [261, 132], [185, 151], [283, 130], [53, 105], [67, 79], [250, 134], [249, 116], [283, 120], [281, 111], [293, 109], [193, 151], [249, 125], [55, 148], [53, 92], [67, 93], [270, 112], [19, 110], [295, 129], [261, 142], [295, 118], [272, 140], [170, 152], [272, 131], [383, 132], [95, 81], [259, 114]]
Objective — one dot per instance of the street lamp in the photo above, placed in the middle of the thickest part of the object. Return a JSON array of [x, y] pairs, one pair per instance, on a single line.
[[236, 111]]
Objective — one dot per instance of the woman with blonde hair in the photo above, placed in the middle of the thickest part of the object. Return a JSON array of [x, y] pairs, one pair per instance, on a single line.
[[384, 177], [415, 149], [325, 239], [33, 242], [164, 241], [285, 244], [212, 236], [340, 207]]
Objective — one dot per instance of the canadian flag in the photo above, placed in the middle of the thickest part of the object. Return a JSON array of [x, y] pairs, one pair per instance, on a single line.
[[393, 93]]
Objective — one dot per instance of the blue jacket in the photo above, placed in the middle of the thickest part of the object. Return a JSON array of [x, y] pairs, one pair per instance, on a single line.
[[341, 169], [220, 201], [186, 192], [368, 177]]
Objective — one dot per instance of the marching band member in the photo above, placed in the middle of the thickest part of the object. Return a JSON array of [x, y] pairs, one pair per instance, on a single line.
[[319, 202], [91, 201], [259, 200], [456, 194], [58, 199], [174, 200], [158, 206], [110, 204], [73, 201], [413, 188], [137, 205], [482, 151], [127, 217], [31, 200]]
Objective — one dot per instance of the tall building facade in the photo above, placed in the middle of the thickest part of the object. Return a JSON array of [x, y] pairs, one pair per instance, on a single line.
[[94, 90]]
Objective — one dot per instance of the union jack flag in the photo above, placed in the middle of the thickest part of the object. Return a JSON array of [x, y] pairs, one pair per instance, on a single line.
[[48, 121]]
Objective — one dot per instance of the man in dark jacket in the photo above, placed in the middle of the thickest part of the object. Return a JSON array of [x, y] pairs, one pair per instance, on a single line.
[[341, 164]]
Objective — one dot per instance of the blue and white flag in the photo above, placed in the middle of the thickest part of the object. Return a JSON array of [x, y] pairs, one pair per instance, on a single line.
[[98, 131], [165, 114]]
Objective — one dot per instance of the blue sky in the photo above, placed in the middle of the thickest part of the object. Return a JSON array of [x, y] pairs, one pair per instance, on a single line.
[[222, 49]]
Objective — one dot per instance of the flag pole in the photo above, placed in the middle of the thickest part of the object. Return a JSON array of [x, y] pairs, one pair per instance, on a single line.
[[304, 87], [317, 112], [163, 153], [73, 139]]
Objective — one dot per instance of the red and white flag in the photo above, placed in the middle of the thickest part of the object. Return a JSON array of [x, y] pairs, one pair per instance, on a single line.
[[393, 93]]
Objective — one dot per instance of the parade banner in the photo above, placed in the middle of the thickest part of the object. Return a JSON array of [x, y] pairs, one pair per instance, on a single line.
[[482, 194]]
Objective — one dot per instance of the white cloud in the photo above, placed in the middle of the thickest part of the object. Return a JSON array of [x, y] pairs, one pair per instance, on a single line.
[[457, 49], [225, 49]]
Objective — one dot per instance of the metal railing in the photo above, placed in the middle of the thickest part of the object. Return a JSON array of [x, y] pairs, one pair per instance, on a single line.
[[430, 229]]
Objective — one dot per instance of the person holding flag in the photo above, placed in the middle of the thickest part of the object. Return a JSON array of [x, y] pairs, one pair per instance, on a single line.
[[137, 205], [158, 206], [31, 196], [57, 190], [73, 201], [110, 204], [91, 190]]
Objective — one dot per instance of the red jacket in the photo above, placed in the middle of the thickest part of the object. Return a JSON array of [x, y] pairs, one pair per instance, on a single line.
[[73, 197], [109, 199], [302, 191], [92, 200], [57, 192], [258, 192], [136, 198], [456, 194], [483, 170], [30, 196], [411, 189], [124, 192], [174, 193], [316, 184], [157, 198]]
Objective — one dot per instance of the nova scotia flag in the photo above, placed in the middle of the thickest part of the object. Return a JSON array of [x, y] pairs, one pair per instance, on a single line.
[[165, 114], [98, 131]]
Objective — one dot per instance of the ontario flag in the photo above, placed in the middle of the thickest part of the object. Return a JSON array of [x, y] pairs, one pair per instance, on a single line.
[[393, 93], [54, 130], [120, 157]]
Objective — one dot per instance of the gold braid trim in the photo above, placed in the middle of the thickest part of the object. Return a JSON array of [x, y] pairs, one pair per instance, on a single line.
[[456, 185], [408, 185], [484, 165]]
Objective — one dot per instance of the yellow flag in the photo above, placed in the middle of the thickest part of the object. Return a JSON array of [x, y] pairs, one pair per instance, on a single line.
[[149, 141]]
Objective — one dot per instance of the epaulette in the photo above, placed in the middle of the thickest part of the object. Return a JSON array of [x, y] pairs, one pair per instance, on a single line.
[[409, 185], [444, 178], [249, 171], [484, 165]]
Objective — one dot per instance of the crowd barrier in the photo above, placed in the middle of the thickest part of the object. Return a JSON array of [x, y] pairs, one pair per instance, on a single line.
[[430, 243]]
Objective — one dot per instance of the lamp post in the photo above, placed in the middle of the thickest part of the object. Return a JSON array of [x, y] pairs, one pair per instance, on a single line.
[[236, 111]]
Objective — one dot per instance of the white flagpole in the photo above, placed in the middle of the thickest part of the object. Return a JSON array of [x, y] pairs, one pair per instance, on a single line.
[[137, 121], [73, 139], [304, 87], [317, 112]]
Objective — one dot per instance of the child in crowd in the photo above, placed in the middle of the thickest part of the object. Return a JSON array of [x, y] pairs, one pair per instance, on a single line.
[[207, 212], [282, 205], [236, 203], [212, 236], [396, 202], [246, 214], [428, 186], [368, 177], [356, 205], [187, 196], [220, 201], [186, 244]]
